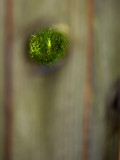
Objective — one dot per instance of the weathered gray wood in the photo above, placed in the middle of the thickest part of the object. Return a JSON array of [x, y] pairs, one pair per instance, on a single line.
[[48, 108], [106, 72]]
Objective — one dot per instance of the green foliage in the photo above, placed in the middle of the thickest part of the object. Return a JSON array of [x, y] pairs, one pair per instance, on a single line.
[[48, 46]]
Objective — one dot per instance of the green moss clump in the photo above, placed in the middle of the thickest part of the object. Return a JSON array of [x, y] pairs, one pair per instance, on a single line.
[[48, 46]]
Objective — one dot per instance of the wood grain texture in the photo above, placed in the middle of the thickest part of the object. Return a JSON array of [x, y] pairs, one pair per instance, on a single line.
[[48, 108], [106, 72]]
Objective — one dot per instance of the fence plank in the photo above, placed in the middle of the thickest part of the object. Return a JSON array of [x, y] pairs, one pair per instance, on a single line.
[[48, 108], [106, 72]]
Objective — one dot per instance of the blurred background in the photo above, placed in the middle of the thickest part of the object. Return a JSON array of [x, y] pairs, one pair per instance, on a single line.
[[60, 115]]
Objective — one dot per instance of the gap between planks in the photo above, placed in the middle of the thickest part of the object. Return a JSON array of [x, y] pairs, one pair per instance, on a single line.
[[88, 84], [8, 99]]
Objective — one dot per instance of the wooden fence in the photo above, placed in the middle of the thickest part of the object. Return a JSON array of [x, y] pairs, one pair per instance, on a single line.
[[71, 113]]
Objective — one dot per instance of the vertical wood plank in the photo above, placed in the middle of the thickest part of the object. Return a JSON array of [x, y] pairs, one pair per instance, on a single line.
[[106, 72], [48, 108]]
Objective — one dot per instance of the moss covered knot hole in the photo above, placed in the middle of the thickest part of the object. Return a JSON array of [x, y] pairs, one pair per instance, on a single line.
[[48, 46]]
